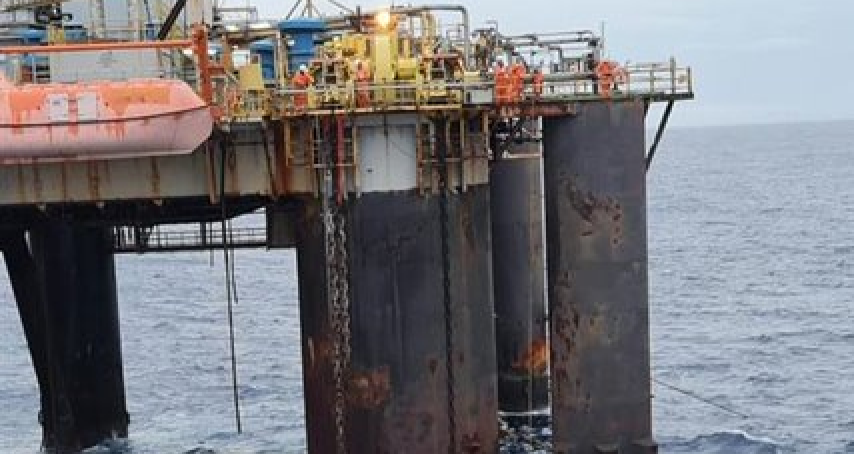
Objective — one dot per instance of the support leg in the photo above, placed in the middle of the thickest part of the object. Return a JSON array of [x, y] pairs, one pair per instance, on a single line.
[[597, 274], [518, 266], [65, 287], [397, 398]]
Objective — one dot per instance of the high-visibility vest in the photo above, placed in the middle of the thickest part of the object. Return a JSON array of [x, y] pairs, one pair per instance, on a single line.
[[503, 86], [518, 80], [302, 81]]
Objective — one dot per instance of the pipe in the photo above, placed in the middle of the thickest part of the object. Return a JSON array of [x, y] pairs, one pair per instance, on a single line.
[[170, 19], [200, 48], [659, 134], [343, 23], [94, 47]]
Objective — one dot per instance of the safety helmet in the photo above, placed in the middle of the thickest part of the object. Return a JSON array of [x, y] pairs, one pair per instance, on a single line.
[[303, 68]]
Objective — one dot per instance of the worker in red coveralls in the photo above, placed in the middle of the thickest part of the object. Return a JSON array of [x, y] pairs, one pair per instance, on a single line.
[[503, 86], [517, 75], [302, 81], [363, 80], [606, 73]]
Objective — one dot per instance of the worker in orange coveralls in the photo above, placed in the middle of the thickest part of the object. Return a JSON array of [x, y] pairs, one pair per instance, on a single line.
[[302, 81], [363, 80], [517, 76], [503, 88], [606, 73]]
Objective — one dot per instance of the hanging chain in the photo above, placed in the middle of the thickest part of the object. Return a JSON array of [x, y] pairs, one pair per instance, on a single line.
[[337, 275], [444, 220]]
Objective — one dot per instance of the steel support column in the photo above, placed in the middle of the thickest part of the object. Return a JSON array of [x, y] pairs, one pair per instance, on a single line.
[[518, 267], [27, 289], [397, 399], [64, 283], [597, 275]]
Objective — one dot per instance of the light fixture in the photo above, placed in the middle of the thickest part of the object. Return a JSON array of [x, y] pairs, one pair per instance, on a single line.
[[383, 19]]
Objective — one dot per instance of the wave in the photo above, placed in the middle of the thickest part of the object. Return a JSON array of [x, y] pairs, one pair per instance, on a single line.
[[726, 442]]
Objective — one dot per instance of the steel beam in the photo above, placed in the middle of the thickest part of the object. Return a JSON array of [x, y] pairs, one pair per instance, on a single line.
[[518, 266], [597, 279]]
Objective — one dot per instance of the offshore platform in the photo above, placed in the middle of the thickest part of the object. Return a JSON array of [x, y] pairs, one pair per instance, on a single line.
[[444, 276]]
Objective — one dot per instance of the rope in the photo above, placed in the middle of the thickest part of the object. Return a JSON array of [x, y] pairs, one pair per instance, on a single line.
[[229, 282], [695, 396]]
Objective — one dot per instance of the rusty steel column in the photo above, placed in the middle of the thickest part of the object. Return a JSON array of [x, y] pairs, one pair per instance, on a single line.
[[64, 283], [397, 397], [519, 280], [597, 278], [27, 289]]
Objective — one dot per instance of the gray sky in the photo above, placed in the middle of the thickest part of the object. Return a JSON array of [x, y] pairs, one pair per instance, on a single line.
[[755, 61]]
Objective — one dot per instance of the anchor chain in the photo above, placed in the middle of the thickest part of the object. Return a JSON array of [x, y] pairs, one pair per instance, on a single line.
[[337, 275], [444, 220]]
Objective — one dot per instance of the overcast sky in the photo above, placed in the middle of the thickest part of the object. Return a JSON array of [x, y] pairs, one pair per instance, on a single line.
[[755, 61]]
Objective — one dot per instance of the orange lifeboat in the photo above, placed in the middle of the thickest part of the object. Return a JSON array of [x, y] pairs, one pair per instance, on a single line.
[[101, 120]]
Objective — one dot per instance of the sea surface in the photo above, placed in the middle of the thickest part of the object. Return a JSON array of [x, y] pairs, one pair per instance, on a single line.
[[752, 295]]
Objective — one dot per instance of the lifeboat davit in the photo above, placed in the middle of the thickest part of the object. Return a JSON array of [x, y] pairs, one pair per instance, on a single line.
[[101, 120]]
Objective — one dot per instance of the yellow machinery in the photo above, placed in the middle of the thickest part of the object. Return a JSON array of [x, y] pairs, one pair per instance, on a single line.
[[404, 60], [408, 61]]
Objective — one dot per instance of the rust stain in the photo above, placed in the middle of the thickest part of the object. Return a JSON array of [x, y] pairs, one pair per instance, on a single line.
[[534, 360], [432, 364], [63, 175], [38, 189], [231, 170], [155, 178], [604, 211], [369, 389], [22, 188], [94, 180], [472, 444]]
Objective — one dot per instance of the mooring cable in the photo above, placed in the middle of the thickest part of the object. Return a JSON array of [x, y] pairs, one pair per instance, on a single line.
[[228, 281], [696, 396], [233, 261]]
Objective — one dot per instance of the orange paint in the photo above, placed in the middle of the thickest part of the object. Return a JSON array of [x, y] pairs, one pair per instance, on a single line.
[[143, 117]]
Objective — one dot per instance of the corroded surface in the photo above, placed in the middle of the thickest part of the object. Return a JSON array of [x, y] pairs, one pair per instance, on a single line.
[[397, 399], [597, 260]]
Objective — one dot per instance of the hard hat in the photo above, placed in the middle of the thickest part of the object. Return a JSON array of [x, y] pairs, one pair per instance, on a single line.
[[303, 68]]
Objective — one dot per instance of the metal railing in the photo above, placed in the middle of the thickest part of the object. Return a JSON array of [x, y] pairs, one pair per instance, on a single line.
[[143, 240], [646, 80], [649, 80]]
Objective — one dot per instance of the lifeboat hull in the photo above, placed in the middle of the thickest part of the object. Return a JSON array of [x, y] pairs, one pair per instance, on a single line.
[[101, 120]]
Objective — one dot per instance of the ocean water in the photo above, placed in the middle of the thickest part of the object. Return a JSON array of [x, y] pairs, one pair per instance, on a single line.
[[752, 296]]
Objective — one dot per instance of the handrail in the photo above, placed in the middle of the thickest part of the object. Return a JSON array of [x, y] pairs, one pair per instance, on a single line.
[[641, 80], [95, 47]]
